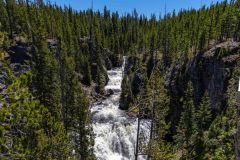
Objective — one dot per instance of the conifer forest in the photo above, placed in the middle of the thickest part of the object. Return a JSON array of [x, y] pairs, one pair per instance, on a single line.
[[100, 85]]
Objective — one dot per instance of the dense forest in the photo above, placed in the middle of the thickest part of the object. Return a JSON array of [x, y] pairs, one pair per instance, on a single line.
[[54, 62]]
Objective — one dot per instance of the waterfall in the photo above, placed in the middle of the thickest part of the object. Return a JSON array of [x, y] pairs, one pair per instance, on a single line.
[[115, 132]]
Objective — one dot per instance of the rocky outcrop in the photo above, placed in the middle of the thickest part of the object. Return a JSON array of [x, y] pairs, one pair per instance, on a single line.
[[209, 71], [52, 43], [107, 61], [116, 60], [138, 83], [103, 73], [19, 53], [5, 80], [134, 82], [131, 64], [175, 83], [112, 60], [101, 60], [97, 62]]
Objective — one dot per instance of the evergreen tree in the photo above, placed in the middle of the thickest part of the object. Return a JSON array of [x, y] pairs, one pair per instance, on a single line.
[[125, 97], [81, 123], [46, 81], [203, 120], [4, 17], [151, 63], [28, 130], [68, 47], [187, 127], [159, 147]]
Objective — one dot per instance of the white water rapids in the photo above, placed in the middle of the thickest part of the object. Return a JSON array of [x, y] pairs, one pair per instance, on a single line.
[[115, 132]]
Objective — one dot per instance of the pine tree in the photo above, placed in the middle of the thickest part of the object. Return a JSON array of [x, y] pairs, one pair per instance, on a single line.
[[221, 139], [10, 6], [152, 60], [46, 80], [203, 114], [100, 81], [81, 123], [28, 130], [125, 94], [186, 130], [4, 17], [159, 147], [59, 69], [203, 120], [166, 52]]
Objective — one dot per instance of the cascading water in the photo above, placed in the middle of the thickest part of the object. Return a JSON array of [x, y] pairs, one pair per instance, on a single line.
[[115, 131]]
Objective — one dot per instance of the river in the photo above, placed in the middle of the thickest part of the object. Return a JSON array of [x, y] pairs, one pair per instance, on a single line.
[[115, 131]]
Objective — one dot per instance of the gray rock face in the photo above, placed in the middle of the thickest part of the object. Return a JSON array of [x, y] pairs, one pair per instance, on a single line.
[[108, 63], [209, 71], [19, 53], [116, 60], [105, 55], [130, 64], [52, 43], [175, 83], [137, 83]]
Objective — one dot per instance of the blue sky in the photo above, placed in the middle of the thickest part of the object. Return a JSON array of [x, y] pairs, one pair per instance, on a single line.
[[146, 7]]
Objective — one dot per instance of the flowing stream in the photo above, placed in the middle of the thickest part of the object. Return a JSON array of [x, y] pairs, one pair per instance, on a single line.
[[115, 131]]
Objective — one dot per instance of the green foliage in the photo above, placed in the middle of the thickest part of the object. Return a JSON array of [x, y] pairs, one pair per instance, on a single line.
[[28, 130], [203, 114], [219, 139], [75, 108], [162, 151], [125, 98], [87, 79], [187, 127], [222, 137], [81, 38], [45, 79], [2, 40], [158, 95], [186, 31], [101, 74], [100, 80], [223, 52], [81, 124]]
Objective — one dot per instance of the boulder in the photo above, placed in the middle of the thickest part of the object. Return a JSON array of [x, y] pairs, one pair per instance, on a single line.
[[109, 92], [52, 43], [19, 53], [108, 63], [19, 40]]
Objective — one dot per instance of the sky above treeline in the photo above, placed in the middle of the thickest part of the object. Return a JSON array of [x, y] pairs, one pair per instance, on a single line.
[[146, 7]]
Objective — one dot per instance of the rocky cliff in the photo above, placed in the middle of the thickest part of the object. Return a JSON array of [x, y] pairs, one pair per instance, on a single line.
[[209, 71]]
